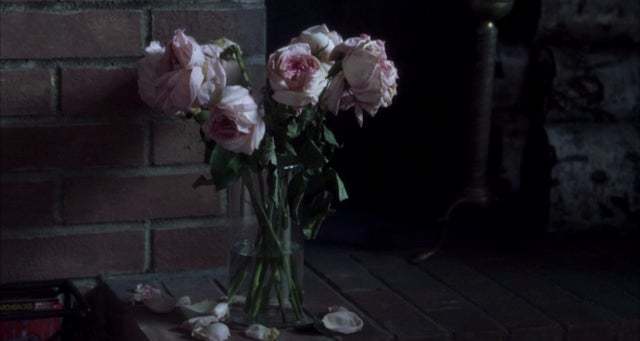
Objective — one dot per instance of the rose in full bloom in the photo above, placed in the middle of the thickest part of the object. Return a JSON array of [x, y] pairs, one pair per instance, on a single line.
[[321, 40], [180, 76], [235, 122], [368, 80], [296, 76]]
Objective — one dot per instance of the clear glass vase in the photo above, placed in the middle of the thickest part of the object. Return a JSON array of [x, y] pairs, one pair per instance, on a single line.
[[266, 268]]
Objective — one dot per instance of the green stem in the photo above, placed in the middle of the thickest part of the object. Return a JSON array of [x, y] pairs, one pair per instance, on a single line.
[[279, 295], [243, 70]]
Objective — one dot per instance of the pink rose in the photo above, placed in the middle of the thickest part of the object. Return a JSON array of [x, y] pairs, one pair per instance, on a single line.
[[296, 76], [235, 123], [231, 67], [340, 50], [185, 51], [178, 77], [367, 80], [321, 40]]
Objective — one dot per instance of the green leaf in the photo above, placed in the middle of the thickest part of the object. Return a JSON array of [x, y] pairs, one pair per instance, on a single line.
[[201, 116], [306, 118], [297, 187], [269, 150], [226, 167], [311, 155], [293, 129], [314, 214], [337, 186], [342, 190], [329, 136]]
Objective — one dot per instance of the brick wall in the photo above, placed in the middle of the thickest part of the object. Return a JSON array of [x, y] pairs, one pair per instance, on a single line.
[[92, 181]]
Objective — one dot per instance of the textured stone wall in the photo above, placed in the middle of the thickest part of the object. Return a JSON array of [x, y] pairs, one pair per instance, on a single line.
[[92, 181], [591, 111]]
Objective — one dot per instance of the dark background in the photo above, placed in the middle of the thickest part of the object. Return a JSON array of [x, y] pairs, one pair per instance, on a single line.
[[406, 166]]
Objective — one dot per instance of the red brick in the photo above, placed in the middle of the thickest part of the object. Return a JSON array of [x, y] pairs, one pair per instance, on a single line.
[[23, 204], [177, 142], [190, 248], [25, 92], [70, 147], [101, 199], [87, 91], [93, 33], [71, 256], [244, 26]]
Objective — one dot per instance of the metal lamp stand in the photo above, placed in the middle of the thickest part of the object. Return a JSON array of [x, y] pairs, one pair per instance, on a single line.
[[478, 127]]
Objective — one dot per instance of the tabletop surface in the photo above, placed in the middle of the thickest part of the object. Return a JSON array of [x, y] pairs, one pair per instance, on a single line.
[[583, 291]]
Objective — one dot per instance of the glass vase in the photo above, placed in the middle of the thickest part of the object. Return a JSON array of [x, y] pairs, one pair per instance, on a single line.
[[266, 268]]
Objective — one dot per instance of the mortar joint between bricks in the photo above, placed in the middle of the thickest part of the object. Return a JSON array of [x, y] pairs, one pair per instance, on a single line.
[[148, 247], [70, 7], [56, 89], [70, 62]]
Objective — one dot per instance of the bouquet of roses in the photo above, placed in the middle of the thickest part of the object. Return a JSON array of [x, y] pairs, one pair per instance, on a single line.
[[281, 148]]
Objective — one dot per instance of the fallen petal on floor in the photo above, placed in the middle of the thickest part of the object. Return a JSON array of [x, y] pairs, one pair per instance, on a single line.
[[213, 332], [343, 321], [260, 332], [198, 322]]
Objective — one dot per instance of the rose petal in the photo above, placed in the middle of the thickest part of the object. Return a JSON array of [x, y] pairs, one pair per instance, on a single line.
[[260, 332], [204, 307], [198, 322], [221, 310], [342, 321], [154, 298], [213, 332]]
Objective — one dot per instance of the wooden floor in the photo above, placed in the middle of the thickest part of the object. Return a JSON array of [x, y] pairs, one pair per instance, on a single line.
[[579, 291]]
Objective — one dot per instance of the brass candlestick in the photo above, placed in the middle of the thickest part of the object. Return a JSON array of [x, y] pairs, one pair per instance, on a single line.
[[478, 128]]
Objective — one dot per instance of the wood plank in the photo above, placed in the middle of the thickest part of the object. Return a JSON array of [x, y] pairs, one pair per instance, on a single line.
[[523, 321], [582, 321], [606, 266], [372, 296], [445, 306], [336, 264], [291, 335], [319, 296], [573, 273], [197, 288]]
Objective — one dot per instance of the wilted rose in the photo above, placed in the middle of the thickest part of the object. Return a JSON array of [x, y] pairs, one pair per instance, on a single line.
[[231, 67], [321, 40], [178, 77], [295, 75], [235, 123], [185, 51], [367, 80]]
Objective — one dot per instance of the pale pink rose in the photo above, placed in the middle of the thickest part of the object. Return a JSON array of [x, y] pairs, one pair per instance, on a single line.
[[235, 122], [185, 51], [231, 67], [178, 77], [367, 80], [320, 39], [340, 50], [150, 68], [296, 76]]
